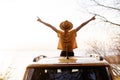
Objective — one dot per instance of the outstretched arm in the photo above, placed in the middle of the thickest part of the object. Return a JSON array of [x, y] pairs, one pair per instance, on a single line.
[[83, 24], [49, 25]]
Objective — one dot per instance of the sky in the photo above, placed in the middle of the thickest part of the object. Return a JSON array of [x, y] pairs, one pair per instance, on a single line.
[[19, 29]]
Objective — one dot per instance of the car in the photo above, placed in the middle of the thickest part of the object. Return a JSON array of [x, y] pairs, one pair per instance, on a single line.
[[72, 68]]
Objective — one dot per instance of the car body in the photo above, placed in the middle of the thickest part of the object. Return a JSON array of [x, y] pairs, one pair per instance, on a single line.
[[72, 68]]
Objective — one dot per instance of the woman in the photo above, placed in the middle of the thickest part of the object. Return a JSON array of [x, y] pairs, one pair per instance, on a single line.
[[67, 36]]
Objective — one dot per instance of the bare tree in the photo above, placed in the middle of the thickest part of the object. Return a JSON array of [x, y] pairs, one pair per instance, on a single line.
[[107, 10], [8, 73], [96, 47], [108, 13], [116, 43]]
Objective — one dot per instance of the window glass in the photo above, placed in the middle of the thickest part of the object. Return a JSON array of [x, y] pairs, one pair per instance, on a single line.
[[78, 73]]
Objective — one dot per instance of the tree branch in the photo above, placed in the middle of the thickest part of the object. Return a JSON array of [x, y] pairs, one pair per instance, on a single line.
[[104, 19], [106, 6]]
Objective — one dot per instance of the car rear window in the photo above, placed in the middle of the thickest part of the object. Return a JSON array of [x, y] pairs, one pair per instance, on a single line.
[[69, 73]]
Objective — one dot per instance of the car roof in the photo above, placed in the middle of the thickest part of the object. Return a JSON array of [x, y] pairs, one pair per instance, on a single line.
[[72, 61]]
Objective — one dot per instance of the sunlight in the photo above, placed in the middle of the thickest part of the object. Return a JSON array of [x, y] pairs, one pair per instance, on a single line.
[[23, 38]]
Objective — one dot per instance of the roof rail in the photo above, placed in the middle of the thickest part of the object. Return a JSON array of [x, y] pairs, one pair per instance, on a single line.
[[36, 59]]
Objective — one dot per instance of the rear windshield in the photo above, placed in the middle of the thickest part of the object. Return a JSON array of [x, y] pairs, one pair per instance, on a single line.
[[79, 73]]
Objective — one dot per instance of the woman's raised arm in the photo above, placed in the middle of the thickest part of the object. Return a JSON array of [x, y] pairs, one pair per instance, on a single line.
[[83, 24], [47, 24]]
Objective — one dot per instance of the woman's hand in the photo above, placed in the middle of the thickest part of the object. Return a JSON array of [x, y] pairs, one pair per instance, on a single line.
[[93, 18], [39, 19]]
